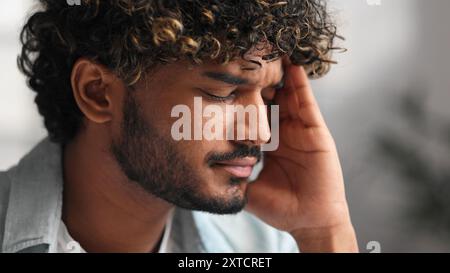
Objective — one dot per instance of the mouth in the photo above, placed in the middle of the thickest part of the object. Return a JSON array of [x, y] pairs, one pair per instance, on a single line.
[[241, 167]]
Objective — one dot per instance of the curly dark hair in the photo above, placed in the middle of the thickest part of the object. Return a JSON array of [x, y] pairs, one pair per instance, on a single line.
[[130, 37]]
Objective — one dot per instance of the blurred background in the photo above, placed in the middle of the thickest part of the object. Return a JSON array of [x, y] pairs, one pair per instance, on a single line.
[[386, 103]]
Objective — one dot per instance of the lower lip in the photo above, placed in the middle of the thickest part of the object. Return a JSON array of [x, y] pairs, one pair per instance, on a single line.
[[238, 171]]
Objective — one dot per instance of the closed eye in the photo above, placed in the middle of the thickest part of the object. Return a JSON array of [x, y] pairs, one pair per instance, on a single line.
[[227, 98]]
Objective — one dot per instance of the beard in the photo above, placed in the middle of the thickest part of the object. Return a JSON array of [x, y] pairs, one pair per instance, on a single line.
[[153, 162]]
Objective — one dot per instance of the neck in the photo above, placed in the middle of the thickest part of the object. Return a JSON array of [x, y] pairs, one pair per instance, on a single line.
[[102, 209]]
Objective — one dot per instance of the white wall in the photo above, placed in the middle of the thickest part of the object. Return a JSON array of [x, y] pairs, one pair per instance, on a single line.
[[20, 125]]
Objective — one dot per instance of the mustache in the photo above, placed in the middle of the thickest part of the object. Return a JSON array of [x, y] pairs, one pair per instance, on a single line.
[[241, 151]]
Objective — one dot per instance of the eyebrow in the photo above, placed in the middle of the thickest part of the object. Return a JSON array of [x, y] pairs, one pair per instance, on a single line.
[[225, 77], [234, 80]]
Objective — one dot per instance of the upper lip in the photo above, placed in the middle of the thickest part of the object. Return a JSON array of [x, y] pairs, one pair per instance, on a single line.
[[245, 161]]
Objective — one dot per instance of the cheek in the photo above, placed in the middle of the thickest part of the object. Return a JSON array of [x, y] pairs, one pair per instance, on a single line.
[[158, 111], [194, 151]]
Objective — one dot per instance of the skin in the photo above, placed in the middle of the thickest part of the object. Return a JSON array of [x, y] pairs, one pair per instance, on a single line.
[[300, 190]]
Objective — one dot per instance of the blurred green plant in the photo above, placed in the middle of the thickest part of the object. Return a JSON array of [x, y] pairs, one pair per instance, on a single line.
[[424, 168]]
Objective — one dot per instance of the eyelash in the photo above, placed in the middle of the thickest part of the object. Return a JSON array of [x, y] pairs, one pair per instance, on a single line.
[[219, 98], [231, 96]]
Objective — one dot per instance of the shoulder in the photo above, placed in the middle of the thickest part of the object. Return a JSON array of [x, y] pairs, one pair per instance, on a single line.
[[241, 232], [5, 186], [30, 195]]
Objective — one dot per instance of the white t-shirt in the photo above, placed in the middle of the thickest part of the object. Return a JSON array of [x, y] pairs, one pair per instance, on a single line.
[[66, 244]]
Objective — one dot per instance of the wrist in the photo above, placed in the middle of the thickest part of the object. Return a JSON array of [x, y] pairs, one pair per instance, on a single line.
[[339, 238]]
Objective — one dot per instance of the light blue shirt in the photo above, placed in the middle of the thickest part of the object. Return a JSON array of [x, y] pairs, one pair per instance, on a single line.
[[31, 203]]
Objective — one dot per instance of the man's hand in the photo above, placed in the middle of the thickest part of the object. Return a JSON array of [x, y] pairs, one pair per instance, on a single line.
[[301, 187]]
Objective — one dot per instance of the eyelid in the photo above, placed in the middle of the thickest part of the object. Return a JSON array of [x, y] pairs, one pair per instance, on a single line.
[[218, 98]]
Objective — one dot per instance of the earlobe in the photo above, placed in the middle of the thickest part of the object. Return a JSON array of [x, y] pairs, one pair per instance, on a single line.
[[90, 87]]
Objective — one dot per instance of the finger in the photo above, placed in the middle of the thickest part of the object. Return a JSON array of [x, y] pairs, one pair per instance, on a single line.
[[282, 100], [302, 103], [286, 61]]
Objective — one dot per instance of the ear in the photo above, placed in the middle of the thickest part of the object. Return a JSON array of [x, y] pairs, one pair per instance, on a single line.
[[92, 87]]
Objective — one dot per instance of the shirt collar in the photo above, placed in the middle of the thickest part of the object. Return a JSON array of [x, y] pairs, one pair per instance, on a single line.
[[34, 208]]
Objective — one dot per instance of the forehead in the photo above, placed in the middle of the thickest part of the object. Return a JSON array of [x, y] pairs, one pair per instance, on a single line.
[[252, 69], [265, 74]]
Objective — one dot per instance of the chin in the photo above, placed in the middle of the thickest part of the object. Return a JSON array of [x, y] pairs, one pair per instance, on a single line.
[[221, 195], [232, 193], [226, 186]]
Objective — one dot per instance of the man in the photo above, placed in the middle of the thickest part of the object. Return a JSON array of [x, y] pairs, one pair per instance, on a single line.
[[112, 177]]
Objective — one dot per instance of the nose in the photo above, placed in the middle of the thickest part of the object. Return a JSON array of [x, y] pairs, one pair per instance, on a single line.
[[255, 121]]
